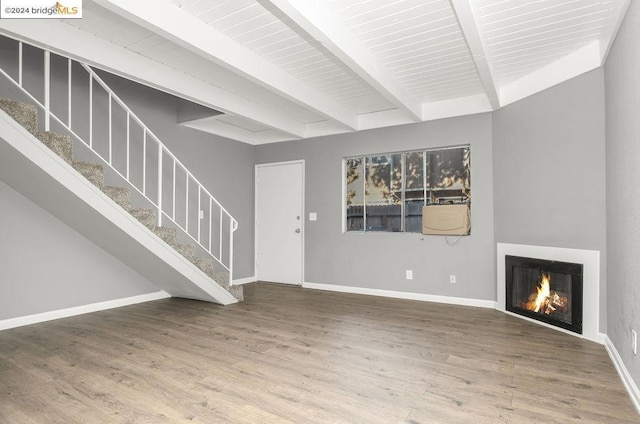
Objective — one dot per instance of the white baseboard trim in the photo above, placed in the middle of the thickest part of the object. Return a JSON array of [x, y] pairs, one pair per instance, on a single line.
[[631, 386], [403, 295], [79, 310], [241, 281]]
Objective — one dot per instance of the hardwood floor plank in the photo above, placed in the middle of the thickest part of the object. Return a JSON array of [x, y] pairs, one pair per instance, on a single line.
[[291, 355]]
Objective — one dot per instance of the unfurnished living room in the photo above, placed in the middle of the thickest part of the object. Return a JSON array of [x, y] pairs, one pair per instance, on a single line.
[[328, 211]]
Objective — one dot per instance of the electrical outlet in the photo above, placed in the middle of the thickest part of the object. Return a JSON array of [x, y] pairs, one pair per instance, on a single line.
[[201, 215], [452, 279], [634, 342], [409, 274]]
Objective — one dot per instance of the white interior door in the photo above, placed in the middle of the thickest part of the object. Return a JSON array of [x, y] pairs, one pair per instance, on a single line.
[[279, 222]]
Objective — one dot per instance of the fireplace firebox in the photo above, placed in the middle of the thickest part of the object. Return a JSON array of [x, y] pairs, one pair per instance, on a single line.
[[545, 290]]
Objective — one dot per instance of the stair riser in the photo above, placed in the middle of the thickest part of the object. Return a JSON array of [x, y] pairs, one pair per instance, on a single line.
[[92, 172], [237, 292], [166, 234], [147, 217], [122, 196], [186, 250], [59, 144], [205, 265], [221, 278], [26, 115]]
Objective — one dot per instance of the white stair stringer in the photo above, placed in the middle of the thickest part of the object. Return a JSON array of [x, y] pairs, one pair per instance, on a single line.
[[32, 169]]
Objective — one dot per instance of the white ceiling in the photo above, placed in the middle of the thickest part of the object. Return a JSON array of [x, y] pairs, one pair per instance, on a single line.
[[292, 69]]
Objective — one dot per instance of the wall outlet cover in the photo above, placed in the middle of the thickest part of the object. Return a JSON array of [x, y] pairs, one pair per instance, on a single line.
[[409, 274]]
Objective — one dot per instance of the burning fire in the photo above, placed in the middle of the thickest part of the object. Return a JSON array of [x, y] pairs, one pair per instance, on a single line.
[[546, 301]]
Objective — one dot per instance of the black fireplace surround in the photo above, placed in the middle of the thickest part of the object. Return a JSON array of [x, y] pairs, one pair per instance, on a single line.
[[524, 278]]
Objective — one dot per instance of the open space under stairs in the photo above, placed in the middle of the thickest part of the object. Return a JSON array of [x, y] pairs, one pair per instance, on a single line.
[[75, 192]]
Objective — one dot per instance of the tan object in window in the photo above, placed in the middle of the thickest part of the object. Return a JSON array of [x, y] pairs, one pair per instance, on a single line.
[[448, 220]]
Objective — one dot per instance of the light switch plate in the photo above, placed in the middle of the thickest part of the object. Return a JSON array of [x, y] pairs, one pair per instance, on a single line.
[[313, 216]]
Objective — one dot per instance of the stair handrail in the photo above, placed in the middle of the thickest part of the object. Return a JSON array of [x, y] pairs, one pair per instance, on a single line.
[[147, 133], [132, 114]]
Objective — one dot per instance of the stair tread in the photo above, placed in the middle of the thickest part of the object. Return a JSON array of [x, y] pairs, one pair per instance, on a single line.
[[237, 292], [120, 195], [168, 234], [23, 113], [186, 250], [87, 164], [59, 143], [146, 216], [93, 172]]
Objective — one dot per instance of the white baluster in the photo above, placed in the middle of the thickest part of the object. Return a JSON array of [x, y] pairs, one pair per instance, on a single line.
[[160, 184], [47, 90]]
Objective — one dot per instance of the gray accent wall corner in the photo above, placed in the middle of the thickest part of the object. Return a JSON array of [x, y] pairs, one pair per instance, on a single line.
[[549, 170], [623, 174]]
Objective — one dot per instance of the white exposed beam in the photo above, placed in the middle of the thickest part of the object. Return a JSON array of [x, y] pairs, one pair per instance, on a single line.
[[177, 25], [460, 106], [611, 27], [80, 45], [577, 63], [384, 118], [315, 19], [215, 126], [469, 26]]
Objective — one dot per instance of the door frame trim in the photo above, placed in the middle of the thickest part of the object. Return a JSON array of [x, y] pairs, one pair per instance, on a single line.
[[302, 218]]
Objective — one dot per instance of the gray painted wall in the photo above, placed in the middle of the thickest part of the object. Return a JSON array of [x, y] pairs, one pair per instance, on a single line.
[[623, 173], [379, 260], [46, 266], [549, 170]]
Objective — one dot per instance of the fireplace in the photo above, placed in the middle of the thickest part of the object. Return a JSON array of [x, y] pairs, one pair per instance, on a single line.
[[545, 290]]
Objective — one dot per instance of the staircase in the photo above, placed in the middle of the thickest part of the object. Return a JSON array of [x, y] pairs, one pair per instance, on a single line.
[[145, 215], [26, 116]]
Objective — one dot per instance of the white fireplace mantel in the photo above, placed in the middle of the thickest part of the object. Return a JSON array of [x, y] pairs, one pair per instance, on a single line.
[[590, 260]]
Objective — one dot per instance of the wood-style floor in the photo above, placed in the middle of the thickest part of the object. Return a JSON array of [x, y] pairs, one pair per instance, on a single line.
[[291, 355]]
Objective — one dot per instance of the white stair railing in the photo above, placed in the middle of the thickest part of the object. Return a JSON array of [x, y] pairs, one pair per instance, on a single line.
[[165, 168]]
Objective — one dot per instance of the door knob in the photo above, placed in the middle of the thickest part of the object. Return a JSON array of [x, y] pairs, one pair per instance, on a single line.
[[297, 230]]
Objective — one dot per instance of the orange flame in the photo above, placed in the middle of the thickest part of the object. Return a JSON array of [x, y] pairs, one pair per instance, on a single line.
[[544, 292]]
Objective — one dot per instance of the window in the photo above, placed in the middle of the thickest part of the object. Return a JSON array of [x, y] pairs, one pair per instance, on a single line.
[[387, 192]]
